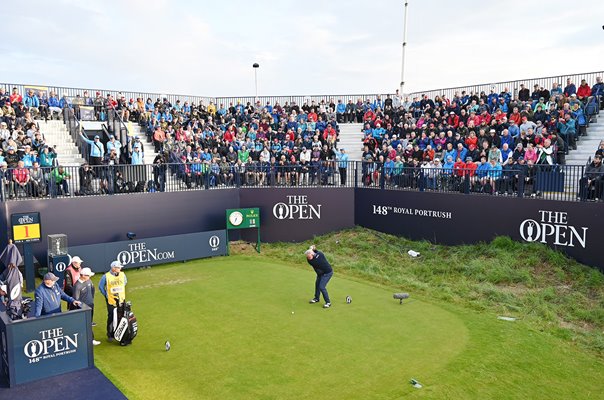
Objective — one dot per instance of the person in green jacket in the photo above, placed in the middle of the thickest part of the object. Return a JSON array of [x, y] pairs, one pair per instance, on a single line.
[[59, 181]]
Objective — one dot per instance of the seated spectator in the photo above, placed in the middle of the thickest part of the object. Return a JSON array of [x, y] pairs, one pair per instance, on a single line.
[[59, 182], [584, 91]]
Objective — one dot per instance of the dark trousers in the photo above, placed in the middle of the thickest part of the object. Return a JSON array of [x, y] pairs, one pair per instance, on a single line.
[[342, 176], [320, 286], [110, 309]]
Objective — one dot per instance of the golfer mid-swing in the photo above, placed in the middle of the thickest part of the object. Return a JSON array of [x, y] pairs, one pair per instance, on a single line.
[[324, 273]]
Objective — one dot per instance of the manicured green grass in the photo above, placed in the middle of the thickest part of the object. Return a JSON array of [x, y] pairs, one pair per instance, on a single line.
[[242, 328], [234, 336]]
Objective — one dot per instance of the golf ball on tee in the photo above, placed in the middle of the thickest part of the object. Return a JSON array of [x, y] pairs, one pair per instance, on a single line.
[[292, 312]]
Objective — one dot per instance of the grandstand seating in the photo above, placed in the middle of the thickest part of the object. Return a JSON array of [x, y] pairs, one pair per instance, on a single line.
[[431, 124]]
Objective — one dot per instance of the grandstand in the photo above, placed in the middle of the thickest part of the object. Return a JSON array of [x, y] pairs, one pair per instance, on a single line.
[[431, 140]]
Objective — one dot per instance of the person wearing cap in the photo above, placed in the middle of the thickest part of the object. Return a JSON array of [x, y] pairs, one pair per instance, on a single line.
[[97, 149], [83, 290], [112, 144], [342, 159], [72, 274], [48, 296], [113, 287]]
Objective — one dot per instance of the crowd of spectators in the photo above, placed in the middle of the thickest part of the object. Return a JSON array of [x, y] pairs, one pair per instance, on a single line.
[[486, 135], [490, 137]]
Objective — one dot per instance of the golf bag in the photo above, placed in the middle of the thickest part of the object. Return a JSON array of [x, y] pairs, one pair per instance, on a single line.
[[125, 326]]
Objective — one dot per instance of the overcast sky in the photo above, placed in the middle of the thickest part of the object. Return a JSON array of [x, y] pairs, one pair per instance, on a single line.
[[303, 47]]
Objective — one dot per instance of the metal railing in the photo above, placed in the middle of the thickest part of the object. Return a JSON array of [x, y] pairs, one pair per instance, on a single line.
[[552, 182], [512, 85], [74, 128]]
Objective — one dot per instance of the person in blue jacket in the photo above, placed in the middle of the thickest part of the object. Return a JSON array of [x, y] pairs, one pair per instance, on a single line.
[[324, 273], [49, 295]]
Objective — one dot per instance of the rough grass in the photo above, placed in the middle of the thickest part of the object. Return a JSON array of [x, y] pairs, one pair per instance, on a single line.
[[550, 292]]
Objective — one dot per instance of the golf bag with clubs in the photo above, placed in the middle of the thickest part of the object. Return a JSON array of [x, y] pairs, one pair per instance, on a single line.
[[125, 326]]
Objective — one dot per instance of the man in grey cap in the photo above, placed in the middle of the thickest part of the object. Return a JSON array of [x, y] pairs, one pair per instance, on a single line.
[[49, 295], [113, 286]]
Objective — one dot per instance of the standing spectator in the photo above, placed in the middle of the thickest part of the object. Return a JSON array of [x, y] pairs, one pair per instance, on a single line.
[[72, 274], [114, 144], [523, 94], [48, 296], [113, 287], [97, 149], [592, 184], [83, 291], [342, 159], [324, 273]]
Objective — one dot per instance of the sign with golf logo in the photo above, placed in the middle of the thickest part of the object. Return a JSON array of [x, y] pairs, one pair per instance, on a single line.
[[242, 218], [26, 227]]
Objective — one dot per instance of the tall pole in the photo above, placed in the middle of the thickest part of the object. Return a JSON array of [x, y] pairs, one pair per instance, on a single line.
[[256, 66], [404, 46]]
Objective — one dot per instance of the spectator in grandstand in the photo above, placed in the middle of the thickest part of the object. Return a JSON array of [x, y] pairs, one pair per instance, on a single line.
[[97, 149], [54, 106], [38, 182], [48, 157], [324, 273], [591, 185], [15, 96], [32, 102], [21, 180], [584, 91], [48, 297], [567, 128], [87, 175], [59, 184], [570, 88], [114, 144], [113, 287]]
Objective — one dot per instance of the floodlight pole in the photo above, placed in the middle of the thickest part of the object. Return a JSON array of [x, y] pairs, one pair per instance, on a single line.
[[404, 46], [256, 66]]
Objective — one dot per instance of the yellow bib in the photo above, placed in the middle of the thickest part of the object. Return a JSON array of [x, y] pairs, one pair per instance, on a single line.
[[116, 287]]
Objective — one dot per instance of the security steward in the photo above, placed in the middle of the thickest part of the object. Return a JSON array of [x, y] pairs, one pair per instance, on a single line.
[[113, 287]]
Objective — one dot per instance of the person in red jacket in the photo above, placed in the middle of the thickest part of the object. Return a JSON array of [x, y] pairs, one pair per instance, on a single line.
[[584, 91]]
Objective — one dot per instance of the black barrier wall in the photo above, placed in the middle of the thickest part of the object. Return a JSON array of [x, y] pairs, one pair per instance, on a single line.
[[90, 220], [297, 214], [574, 228], [293, 215]]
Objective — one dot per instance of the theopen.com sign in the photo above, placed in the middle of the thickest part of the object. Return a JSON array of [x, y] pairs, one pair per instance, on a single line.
[[151, 251], [552, 228]]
